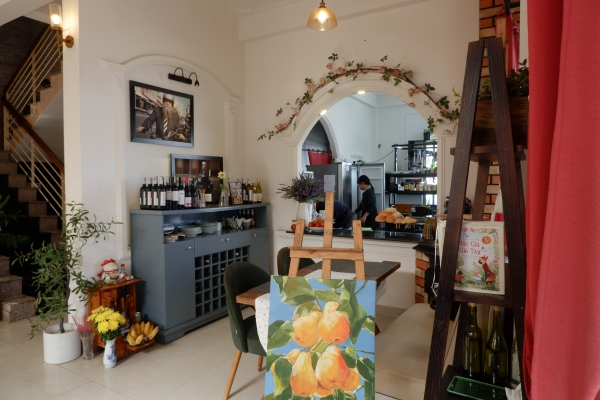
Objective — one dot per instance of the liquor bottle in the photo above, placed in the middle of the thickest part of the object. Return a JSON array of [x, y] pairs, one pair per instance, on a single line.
[[254, 194], [250, 190], [143, 195], [472, 345], [244, 192], [253, 222], [181, 194], [149, 203], [258, 191], [155, 195], [194, 194], [187, 193], [174, 194], [162, 193], [169, 192], [495, 364]]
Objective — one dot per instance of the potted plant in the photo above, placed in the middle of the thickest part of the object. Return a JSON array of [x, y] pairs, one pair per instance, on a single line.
[[108, 323], [305, 190], [59, 274]]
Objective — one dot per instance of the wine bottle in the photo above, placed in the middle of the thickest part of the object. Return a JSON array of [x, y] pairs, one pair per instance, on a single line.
[[258, 191], [149, 204], [194, 192], [253, 222], [181, 191], [174, 194], [254, 194], [496, 353], [155, 195], [169, 192], [472, 345], [250, 191], [187, 193], [143, 195], [162, 193], [244, 192]]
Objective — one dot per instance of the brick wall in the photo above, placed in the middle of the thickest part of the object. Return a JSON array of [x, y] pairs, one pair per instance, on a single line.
[[16, 38], [421, 264]]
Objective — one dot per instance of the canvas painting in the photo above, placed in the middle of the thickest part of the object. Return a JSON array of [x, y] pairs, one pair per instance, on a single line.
[[480, 264], [321, 339]]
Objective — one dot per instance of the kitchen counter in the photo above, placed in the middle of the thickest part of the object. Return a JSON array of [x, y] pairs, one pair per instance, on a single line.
[[376, 235]]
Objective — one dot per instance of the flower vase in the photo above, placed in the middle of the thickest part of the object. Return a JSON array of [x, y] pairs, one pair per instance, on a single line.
[[224, 199], [304, 211], [87, 341], [110, 354]]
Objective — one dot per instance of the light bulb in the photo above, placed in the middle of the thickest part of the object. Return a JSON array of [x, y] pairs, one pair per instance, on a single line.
[[323, 112], [55, 18], [322, 16], [361, 92]]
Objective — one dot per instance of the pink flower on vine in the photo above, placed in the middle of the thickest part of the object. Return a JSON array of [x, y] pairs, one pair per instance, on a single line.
[[417, 90], [329, 65], [411, 92], [341, 70], [395, 73], [411, 105], [381, 70], [309, 85]]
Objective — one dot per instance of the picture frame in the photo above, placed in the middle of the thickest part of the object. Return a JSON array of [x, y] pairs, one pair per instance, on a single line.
[[480, 265], [204, 169], [235, 188], [154, 121]]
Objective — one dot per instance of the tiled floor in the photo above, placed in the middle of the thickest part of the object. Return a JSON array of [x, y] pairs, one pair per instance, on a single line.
[[193, 367]]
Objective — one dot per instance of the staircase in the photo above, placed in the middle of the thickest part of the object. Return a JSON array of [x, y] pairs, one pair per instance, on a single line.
[[45, 93], [15, 305]]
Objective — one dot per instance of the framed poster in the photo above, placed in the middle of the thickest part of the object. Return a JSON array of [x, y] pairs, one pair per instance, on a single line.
[[235, 188], [204, 169], [480, 264], [161, 116]]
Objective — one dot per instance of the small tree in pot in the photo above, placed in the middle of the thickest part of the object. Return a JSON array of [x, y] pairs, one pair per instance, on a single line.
[[59, 271]]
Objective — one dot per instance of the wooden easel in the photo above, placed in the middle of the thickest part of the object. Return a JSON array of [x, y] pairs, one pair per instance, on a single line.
[[508, 156], [327, 252]]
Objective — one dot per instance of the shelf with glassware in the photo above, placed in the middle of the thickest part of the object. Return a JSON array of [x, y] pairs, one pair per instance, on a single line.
[[183, 280]]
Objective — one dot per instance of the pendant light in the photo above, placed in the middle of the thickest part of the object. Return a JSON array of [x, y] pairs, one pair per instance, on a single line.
[[322, 19]]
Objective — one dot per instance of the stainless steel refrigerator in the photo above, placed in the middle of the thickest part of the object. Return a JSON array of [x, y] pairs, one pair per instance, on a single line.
[[346, 188]]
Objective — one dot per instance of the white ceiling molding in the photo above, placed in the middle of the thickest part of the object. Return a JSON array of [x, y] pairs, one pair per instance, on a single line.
[[292, 16], [13, 9], [163, 60]]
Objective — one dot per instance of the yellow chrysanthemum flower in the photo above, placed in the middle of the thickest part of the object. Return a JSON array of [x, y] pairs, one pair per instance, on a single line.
[[103, 316], [103, 327], [112, 325]]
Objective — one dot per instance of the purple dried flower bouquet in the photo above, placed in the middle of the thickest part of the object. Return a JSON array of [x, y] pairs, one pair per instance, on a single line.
[[303, 189]]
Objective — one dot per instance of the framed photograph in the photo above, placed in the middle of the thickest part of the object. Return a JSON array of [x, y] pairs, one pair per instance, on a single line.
[[480, 265], [161, 116], [235, 188], [204, 170]]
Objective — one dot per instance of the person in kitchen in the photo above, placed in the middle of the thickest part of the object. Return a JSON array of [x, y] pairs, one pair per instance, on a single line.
[[368, 204], [342, 215], [166, 119]]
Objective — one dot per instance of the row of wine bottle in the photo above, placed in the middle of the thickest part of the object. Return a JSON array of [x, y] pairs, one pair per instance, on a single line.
[[251, 191], [494, 367], [166, 193]]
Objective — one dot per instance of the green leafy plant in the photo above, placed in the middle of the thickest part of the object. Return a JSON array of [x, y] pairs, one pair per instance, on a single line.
[[59, 271], [517, 83]]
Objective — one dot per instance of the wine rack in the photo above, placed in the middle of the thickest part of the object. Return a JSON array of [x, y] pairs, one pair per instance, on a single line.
[[209, 273]]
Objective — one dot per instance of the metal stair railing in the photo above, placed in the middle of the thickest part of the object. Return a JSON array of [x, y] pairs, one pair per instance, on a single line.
[[44, 169]]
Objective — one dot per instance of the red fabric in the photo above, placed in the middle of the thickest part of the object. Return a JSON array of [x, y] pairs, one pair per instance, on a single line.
[[562, 315], [318, 157]]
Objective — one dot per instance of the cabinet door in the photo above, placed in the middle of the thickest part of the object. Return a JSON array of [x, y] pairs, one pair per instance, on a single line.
[[259, 248], [180, 303]]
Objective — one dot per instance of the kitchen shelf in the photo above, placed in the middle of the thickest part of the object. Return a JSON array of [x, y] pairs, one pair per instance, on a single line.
[[415, 175]]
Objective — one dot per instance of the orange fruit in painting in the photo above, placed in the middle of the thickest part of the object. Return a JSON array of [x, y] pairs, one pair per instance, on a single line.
[[303, 381], [486, 240], [334, 327], [331, 369], [305, 328], [322, 392], [352, 381]]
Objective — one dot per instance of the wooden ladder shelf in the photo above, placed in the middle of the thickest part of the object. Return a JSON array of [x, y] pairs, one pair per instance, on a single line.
[[508, 157]]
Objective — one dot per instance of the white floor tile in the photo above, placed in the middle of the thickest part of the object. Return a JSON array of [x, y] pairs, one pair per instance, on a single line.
[[91, 391], [43, 381]]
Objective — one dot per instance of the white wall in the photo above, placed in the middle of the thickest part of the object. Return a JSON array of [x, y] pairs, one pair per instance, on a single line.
[[430, 38], [352, 125], [104, 167]]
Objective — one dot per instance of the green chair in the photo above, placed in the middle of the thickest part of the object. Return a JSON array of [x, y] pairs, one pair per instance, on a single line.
[[283, 261], [239, 278]]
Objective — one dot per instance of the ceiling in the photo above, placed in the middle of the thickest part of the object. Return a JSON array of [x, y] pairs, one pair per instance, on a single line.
[[239, 8]]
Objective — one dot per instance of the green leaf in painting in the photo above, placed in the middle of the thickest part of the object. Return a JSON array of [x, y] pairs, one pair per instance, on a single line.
[[369, 324], [295, 282], [282, 372], [314, 357], [296, 397], [369, 390], [339, 394], [305, 309], [349, 356], [271, 358], [269, 397], [330, 397], [319, 348], [332, 283], [366, 369], [281, 281], [356, 323], [280, 334], [298, 296], [327, 295], [349, 396]]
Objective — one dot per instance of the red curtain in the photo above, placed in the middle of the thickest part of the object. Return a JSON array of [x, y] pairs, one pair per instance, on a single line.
[[562, 315], [318, 157]]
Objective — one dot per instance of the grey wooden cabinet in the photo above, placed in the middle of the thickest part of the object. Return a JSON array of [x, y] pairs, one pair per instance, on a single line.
[[182, 286]]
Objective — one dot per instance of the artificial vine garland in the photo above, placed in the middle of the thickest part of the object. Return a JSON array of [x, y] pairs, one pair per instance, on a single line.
[[394, 74]]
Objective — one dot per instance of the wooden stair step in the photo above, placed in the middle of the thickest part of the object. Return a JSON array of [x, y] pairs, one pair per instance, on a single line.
[[13, 180], [7, 167], [17, 308], [10, 286], [5, 156], [21, 194], [31, 208]]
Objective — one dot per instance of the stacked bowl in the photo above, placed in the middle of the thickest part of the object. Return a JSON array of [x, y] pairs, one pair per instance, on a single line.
[[209, 227], [190, 230]]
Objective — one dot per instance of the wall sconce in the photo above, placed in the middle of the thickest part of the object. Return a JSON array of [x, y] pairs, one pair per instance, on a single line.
[[181, 78], [322, 19], [56, 25], [195, 83]]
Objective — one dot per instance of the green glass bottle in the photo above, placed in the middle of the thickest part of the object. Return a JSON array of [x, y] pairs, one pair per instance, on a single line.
[[495, 366], [472, 345]]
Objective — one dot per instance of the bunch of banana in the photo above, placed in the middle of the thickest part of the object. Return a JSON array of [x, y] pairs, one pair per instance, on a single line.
[[139, 331]]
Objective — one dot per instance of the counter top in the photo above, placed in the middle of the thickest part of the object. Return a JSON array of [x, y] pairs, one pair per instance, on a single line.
[[209, 209], [375, 235]]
